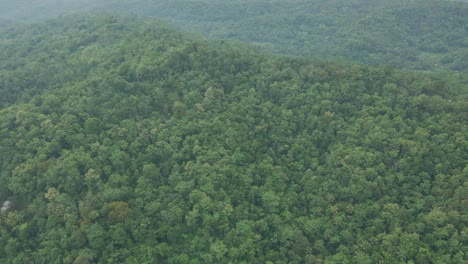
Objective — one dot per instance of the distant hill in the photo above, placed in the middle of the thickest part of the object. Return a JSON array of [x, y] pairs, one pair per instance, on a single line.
[[425, 35], [123, 140], [422, 35]]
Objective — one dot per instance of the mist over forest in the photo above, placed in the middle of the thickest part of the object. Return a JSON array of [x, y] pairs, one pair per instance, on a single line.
[[421, 35], [211, 131]]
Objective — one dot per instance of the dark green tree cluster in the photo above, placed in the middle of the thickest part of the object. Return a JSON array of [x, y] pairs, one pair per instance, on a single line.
[[124, 141], [423, 35]]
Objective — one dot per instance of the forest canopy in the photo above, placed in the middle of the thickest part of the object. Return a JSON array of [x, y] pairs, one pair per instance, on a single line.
[[422, 34], [123, 140]]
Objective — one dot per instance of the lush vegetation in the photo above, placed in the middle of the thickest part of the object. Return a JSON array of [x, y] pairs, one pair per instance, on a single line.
[[424, 35], [123, 141]]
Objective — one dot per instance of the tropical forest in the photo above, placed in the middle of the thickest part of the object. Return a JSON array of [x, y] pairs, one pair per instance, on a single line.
[[243, 131]]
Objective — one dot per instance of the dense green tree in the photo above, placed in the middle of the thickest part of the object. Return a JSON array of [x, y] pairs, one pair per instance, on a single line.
[[170, 149]]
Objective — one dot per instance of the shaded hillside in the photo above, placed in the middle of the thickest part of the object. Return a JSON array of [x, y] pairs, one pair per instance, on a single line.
[[128, 142], [423, 35]]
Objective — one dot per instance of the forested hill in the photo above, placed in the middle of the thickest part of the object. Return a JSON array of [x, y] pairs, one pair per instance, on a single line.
[[124, 141], [422, 34]]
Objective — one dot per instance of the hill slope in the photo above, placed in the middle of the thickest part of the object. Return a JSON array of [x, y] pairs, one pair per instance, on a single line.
[[424, 35], [129, 143], [409, 34]]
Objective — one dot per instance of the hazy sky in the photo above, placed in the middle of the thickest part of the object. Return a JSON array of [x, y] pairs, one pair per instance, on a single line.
[[30, 10], [27, 10]]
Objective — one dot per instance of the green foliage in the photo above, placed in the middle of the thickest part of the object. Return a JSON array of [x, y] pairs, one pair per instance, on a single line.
[[424, 35], [132, 143]]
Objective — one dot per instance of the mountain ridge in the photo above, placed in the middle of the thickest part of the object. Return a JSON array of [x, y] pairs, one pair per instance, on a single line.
[[140, 144], [400, 33]]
